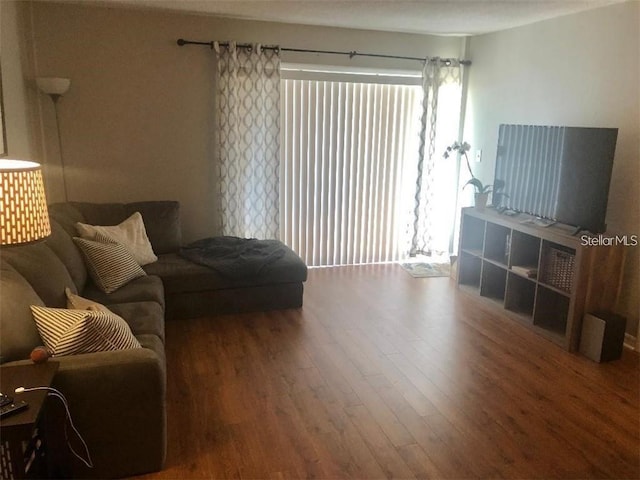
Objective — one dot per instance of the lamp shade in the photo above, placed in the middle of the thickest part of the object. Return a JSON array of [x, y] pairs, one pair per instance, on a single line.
[[24, 216], [53, 85]]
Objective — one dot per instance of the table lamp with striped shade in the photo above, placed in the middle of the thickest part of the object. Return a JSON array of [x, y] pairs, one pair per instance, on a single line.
[[24, 217]]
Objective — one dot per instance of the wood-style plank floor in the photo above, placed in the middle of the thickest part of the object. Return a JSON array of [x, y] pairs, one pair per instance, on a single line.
[[381, 375]]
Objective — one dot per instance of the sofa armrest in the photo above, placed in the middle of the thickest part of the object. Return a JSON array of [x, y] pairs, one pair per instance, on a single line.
[[117, 402]]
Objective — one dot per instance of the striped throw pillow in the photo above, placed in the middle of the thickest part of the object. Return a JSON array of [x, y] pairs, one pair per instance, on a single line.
[[110, 264], [69, 332]]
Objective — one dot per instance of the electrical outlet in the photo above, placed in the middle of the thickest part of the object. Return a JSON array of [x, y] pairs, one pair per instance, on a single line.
[[478, 156]]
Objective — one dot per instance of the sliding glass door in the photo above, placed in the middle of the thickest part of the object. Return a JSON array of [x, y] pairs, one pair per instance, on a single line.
[[349, 164]]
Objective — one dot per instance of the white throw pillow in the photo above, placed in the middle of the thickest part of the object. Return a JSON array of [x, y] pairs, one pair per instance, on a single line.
[[70, 332], [130, 233]]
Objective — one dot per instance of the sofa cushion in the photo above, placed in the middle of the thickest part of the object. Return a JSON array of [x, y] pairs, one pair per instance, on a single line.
[[143, 289], [109, 263], [76, 302], [143, 317], [18, 332], [70, 332], [181, 275], [101, 213], [62, 245], [44, 271], [162, 221], [130, 233], [67, 215]]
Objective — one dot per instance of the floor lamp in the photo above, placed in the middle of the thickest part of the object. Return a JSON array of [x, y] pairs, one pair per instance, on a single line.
[[55, 88]]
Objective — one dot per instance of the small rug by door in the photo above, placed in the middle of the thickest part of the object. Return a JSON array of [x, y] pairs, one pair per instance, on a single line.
[[425, 269]]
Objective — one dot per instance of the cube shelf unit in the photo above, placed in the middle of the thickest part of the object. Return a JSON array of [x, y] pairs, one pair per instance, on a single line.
[[542, 277]]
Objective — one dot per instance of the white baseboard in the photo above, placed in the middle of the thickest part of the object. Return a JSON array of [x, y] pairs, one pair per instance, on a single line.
[[630, 341]]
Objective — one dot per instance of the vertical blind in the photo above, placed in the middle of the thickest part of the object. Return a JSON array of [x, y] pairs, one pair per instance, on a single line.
[[348, 162]]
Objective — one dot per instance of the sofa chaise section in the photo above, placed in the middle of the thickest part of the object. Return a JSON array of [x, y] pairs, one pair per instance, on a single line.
[[192, 290]]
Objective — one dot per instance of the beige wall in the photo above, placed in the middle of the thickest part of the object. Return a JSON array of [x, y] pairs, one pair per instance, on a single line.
[[137, 120], [18, 99], [580, 70]]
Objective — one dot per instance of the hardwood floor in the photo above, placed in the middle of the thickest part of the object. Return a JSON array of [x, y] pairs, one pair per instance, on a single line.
[[381, 375]]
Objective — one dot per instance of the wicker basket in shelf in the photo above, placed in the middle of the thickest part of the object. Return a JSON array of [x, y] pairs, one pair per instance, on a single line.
[[558, 269]]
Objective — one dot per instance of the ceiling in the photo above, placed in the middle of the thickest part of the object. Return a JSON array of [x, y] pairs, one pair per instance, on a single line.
[[442, 17]]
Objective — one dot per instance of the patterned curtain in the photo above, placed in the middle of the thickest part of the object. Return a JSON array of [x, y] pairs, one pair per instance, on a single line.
[[436, 182], [248, 81]]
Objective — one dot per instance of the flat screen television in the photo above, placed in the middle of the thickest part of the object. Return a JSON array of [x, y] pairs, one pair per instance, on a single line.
[[557, 173]]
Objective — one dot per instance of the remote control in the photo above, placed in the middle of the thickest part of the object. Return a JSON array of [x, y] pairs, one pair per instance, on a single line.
[[13, 407], [5, 399]]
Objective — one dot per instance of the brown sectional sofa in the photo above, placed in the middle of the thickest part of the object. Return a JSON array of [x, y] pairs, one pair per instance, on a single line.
[[117, 399]]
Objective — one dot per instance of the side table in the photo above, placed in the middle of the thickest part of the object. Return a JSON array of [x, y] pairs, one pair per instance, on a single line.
[[17, 442]]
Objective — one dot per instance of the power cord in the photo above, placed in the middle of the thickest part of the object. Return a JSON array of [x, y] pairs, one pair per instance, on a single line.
[[56, 393]]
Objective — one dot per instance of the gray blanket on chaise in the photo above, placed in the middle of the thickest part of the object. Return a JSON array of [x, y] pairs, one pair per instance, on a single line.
[[233, 256]]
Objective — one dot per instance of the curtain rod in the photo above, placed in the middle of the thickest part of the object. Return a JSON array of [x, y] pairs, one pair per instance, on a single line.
[[351, 54]]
